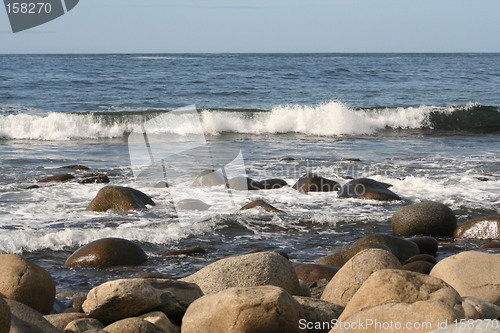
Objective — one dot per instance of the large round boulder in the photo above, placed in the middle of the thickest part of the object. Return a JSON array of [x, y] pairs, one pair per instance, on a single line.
[[249, 270], [314, 272], [119, 199], [4, 316], [107, 252], [472, 273], [344, 253], [267, 309], [400, 247], [481, 228], [426, 218], [26, 282], [208, 178], [354, 273], [311, 182], [366, 188]]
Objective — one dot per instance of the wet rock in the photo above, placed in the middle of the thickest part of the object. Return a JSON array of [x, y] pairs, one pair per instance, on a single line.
[[423, 267], [311, 182], [262, 204], [75, 167], [401, 248], [481, 228], [57, 178], [287, 159], [31, 187], [249, 270], [426, 218], [107, 252], [314, 272], [190, 251], [344, 254], [354, 273], [26, 320], [391, 295], [491, 245], [161, 321], [366, 188], [120, 199], [426, 244], [421, 257], [273, 183], [5, 316], [472, 273], [26, 282], [191, 204], [131, 325], [241, 183], [476, 308], [61, 320], [118, 299], [317, 312], [209, 178], [101, 179], [252, 309], [161, 184], [83, 325]]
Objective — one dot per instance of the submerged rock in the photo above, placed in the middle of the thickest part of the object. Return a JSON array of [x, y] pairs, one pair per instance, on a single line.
[[192, 204], [262, 204], [426, 218], [208, 178], [57, 178], [190, 251], [311, 182], [75, 167], [366, 188], [107, 252], [120, 199], [100, 179]]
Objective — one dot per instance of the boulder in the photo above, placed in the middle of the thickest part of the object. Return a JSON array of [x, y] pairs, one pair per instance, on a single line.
[[345, 253], [316, 288], [476, 308], [4, 316], [400, 296], [311, 182], [426, 244], [161, 321], [190, 251], [115, 300], [107, 252], [57, 178], [318, 314], [27, 320], [209, 178], [481, 228], [242, 183], [490, 245], [314, 272], [401, 248], [262, 204], [423, 267], [273, 183], [426, 218], [421, 257], [249, 270], [191, 204], [83, 325], [26, 282], [354, 273], [61, 320], [239, 310], [131, 325], [101, 179], [366, 188], [472, 273], [75, 167], [119, 199]]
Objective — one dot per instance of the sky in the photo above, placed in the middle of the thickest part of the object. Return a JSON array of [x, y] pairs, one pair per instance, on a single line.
[[239, 26]]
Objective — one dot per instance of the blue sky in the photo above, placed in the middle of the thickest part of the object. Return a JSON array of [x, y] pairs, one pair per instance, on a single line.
[[163, 26]]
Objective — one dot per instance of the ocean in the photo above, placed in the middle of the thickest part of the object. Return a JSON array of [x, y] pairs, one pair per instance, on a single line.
[[429, 124]]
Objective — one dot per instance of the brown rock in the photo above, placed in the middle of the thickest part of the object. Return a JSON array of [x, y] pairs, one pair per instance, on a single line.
[[421, 257], [26, 282], [311, 182], [318, 311], [115, 300], [131, 325], [273, 183], [400, 247], [190, 251], [120, 199], [57, 178], [314, 272], [75, 167], [423, 267], [107, 252], [262, 204], [476, 308], [366, 188], [101, 179], [491, 245], [26, 320], [354, 273], [344, 254], [472, 273], [83, 325], [161, 321], [61, 320], [402, 296], [426, 244], [481, 228], [4, 316], [249, 270], [238, 310]]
